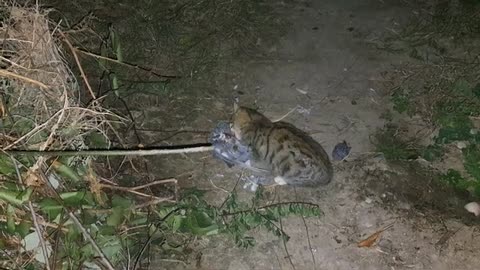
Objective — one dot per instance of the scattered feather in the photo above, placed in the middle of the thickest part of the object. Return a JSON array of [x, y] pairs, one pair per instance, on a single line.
[[301, 91]]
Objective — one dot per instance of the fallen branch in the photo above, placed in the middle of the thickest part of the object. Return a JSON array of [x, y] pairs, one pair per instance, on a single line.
[[6, 73], [120, 152], [131, 190], [79, 65], [134, 66]]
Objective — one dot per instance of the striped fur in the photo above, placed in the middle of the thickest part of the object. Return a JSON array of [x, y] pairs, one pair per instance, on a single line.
[[294, 158]]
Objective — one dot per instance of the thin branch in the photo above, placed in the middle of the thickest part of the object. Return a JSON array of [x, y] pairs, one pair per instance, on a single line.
[[121, 152], [285, 245], [33, 131], [40, 236], [308, 236], [134, 66], [157, 182], [77, 61], [153, 202], [150, 237], [7, 73], [130, 190], [40, 222], [104, 259], [34, 218], [269, 206]]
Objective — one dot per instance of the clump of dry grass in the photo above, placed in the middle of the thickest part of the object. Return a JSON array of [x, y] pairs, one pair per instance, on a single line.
[[40, 109], [40, 96]]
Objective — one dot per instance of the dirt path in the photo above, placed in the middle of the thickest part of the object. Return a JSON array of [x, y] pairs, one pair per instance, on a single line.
[[328, 67]]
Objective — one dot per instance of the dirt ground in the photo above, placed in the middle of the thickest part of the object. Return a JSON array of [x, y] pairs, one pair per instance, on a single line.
[[328, 70]]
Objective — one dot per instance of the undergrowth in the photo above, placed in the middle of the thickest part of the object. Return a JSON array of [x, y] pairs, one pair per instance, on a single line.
[[121, 226], [441, 87], [452, 118]]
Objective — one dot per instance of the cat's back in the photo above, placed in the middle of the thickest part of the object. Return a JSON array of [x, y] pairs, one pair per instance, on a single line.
[[296, 158]]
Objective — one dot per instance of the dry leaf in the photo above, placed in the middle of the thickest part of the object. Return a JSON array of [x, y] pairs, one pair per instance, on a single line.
[[95, 186], [368, 242], [32, 179]]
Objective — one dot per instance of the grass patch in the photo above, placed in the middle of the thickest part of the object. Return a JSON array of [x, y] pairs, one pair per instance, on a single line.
[[443, 87], [394, 147]]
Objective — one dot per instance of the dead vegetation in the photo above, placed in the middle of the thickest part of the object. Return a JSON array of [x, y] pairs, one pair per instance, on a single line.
[[40, 110]]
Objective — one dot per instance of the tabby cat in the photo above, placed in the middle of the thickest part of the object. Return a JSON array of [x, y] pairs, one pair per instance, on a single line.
[[291, 155]]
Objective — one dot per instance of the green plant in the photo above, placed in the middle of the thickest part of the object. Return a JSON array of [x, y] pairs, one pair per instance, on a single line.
[[432, 152], [239, 218], [455, 179], [401, 100], [393, 147]]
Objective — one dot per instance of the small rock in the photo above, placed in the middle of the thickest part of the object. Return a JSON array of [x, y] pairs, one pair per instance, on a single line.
[[461, 145], [473, 208]]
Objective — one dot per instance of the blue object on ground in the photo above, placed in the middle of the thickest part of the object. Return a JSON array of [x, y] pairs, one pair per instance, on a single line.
[[341, 151]]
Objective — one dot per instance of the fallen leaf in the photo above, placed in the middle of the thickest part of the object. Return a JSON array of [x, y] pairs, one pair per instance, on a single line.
[[368, 242], [32, 179]]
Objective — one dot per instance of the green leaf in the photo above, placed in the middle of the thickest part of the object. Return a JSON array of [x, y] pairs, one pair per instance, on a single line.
[[10, 219], [116, 217], [66, 171], [73, 233], [455, 179], [471, 155], [87, 252], [200, 223], [476, 91], [432, 152], [454, 128], [111, 246], [107, 230], [176, 223], [77, 198], [23, 229], [51, 207], [97, 140], [121, 201], [462, 87], [401, 101], [15, 197], [6, 165]]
